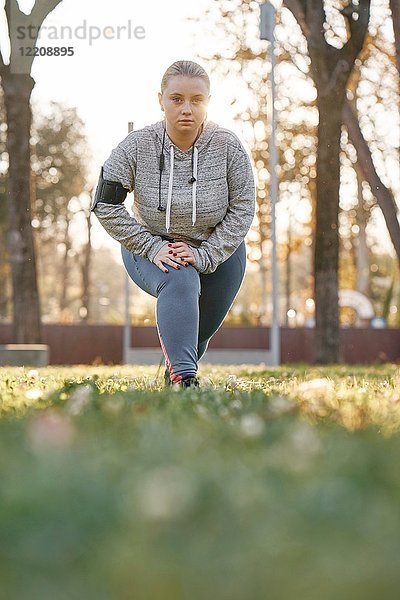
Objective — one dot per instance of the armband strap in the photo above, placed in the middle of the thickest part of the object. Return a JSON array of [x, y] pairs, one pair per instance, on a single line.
[[111, 192]]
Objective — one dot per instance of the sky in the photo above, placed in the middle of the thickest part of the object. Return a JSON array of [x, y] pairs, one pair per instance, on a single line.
[[113, 81]]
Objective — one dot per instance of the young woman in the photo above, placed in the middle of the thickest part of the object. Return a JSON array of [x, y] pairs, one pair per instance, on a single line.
[[194, 202]]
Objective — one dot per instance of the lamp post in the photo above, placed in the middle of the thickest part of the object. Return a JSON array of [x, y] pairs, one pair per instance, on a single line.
[[267, 27], [126, 338]]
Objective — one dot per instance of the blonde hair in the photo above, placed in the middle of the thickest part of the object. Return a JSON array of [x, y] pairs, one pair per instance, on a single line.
[[187, 68]]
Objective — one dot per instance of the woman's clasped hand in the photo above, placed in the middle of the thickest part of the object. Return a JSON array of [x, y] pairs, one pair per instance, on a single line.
[[175, 254]]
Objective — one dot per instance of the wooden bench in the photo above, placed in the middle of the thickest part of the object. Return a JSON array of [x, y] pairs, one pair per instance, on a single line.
[[21, 355]]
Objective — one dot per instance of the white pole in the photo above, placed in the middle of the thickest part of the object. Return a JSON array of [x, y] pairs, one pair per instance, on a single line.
[[267, 32], [126, 339]]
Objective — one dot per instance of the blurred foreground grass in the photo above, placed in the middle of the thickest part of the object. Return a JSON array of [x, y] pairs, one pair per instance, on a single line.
[[275, 483]]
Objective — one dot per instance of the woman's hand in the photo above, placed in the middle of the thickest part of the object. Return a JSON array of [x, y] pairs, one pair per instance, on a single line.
[[175, 254], [183, 252]]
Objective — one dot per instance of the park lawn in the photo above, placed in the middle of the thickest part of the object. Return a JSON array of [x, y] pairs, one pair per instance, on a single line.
[[273, 483]]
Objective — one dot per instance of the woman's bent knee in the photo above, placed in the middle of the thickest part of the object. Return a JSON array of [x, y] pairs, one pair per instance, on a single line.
[[185, 281]]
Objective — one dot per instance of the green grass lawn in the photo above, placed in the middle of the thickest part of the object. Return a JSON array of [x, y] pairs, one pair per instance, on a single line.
[[279, 483]]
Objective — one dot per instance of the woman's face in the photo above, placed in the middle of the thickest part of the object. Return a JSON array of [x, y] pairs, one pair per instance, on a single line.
[[185, 100]]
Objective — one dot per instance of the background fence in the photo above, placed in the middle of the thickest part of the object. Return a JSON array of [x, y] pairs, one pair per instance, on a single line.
[[88, 344]]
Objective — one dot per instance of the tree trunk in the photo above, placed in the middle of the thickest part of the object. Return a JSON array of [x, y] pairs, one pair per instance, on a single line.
[[26, 306], [262, 319], [326, 249], [65, 268], [362, 265], [5, 274], [85, 271], [330, 70], [5, 295], [288, 289]]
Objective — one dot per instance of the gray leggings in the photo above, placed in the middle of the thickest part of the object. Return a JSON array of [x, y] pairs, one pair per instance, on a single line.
[[191, 306]]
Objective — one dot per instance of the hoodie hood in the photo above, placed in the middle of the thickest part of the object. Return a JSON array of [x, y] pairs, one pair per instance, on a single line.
[[174, 153]]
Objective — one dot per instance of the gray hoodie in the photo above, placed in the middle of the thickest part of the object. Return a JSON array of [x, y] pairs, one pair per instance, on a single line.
[[213, 214]]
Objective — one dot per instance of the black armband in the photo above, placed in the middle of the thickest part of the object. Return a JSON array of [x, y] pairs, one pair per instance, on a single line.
[[111, 192]]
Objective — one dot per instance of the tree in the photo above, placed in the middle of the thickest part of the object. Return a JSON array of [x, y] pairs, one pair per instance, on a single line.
[[17, 84], [85, 265], [60, 167], [5, 295], [373, 48], [375, 51], [330, 68], [247, 65]]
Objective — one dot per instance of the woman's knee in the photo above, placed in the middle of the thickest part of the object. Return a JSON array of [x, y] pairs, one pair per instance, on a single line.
[[183, 282], [140, 272]]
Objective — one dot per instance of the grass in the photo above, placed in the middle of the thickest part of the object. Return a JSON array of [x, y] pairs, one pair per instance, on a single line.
[[275, 483]]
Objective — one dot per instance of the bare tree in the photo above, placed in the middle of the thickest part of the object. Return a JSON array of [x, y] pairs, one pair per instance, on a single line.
[[17, 87], [366, 170], [292, 50], [60, 165], [330, 69]]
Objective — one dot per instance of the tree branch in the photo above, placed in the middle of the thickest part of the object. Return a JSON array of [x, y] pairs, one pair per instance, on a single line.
[[358, 30], [311, 17], [382, 194], [9, 6], [297, 8], [15, 19], [316, 18], [2, 65], [42, 9], [395, 8]]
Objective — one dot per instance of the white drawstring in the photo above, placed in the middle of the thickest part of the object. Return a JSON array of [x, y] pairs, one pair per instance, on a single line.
[[171, 176], [194, 174]]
